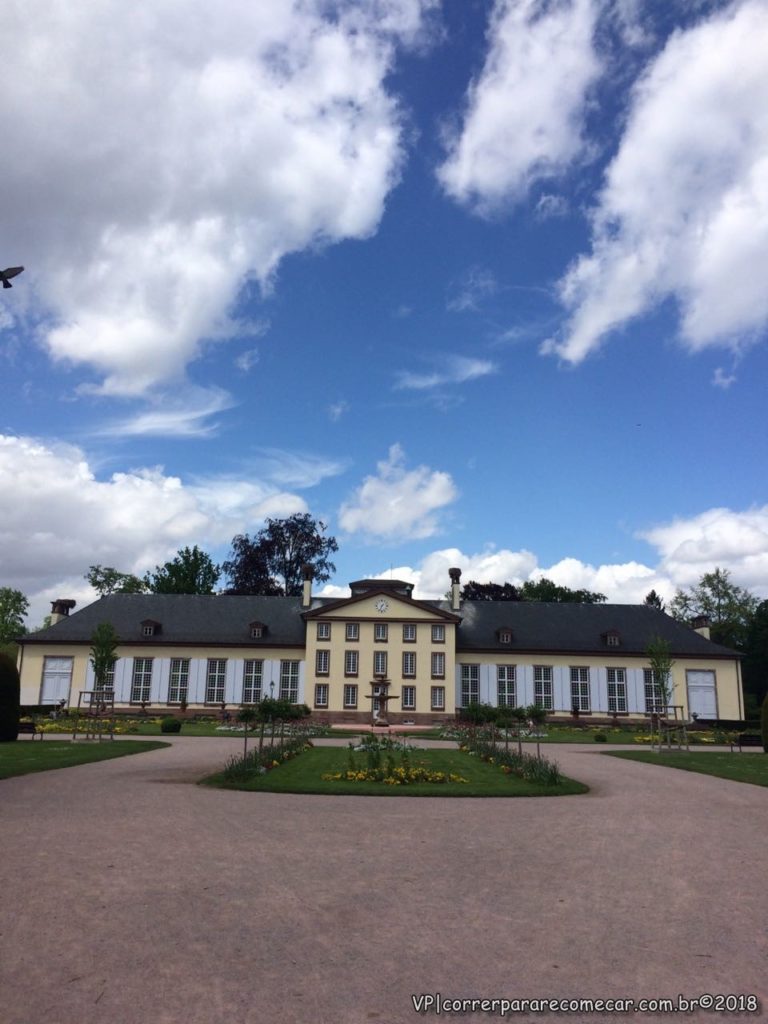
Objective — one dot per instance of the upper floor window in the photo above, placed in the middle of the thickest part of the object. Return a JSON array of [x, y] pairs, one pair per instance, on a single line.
[[438, 665], [322, 662], [352, 631], [409, 632], [380, 632], [323, 631], [409, 663], [351, 662], [438, 634], [379, 663]]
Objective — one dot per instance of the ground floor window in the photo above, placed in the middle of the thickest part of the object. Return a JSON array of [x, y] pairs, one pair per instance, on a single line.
[[215, 679], [580, 698], [408, 702], [542, 687], [505, 683], [253, 675], [470, 685], [350, 695], [321, 695], [617, 690], [438, 698], [178, 684], [289, 681], [141, 682], [654, 698]]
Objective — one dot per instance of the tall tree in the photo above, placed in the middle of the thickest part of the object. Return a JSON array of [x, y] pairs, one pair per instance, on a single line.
[[473, 591], [729, 608], [106, 580], [547, 590], [13, 608], [274, 559], [192, 571], [654, 600], [755, 665]]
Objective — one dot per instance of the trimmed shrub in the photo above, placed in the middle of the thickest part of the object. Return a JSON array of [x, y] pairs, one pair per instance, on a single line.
[[170, 724], [600, 737], [10, 692]]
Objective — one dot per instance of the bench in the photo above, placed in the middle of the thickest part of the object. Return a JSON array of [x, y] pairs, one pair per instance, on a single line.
[[749, 739], [30, 727]]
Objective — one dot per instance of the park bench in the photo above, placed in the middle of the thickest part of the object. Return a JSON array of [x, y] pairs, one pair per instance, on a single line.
[[30, 727], [750, 739]]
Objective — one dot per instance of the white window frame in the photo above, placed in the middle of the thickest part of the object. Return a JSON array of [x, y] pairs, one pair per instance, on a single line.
[[379, 663], [409, 632], [437, 698], [141, 680], [408, 698], [178, 681], [617, 690], [380, 632], [322, 661], [543, 687], [257, 632], [470, 685], [654, 699], [581, 691], [148, 630], [438, 634], [253, 679], [437, 665], [352, 631], [323, 631], [351, 663], [321, 695], [409, 664], [289, 681], [57, 669], [505, 636], [506, 686], [215, 680], [350, 695]]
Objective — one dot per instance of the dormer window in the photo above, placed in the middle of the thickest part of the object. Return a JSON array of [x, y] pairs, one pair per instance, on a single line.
[[258, 629], [149, 628], [612, 638], [505, 635]]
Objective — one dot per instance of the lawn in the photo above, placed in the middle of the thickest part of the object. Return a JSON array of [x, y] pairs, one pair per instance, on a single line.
[[736, 767], [304, 775], [23, 757]]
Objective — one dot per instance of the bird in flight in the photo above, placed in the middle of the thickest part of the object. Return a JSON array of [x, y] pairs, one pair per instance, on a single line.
[[8, 273]]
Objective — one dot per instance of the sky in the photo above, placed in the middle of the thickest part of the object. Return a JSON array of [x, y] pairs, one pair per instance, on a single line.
[[476, 283]]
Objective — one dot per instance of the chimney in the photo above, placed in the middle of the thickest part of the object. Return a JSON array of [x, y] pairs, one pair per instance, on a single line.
[[455, 575], [306, 594], [701, 625], [60, 609]]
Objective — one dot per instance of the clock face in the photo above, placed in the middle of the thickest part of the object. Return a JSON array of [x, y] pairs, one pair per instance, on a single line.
[[382, 605]]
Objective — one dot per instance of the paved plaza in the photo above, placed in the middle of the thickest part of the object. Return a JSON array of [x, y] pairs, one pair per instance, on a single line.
[[133, 896]]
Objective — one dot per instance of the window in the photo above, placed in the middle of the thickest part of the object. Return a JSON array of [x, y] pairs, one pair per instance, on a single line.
[[321, 695], [352, 631], [612, 640], [437, 698], [107, 684], [57, 678], [323, 631], [438, 634], [409, 663], [257, 631], [142, 680], [438, 665], [252, 680], [617, 689], [351, 663], [379, 663], [350, 695], [289, 681], [408, 700], [505, 636], [580, 700], [505, 682], [214, 684], [654, 698], [470, 685], [542, 686], [409, 633], [179, 681], [148, 630], [322, 662], [380, 632]]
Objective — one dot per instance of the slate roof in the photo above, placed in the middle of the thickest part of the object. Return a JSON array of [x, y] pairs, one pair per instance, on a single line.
[[186, 619], [536, 626]]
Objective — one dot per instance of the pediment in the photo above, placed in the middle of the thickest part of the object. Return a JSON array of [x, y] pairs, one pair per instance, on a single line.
[[381, 606]]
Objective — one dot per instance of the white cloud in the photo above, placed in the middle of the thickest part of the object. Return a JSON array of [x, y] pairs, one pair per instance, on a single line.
[[398, 503], [57, 517], [684, 210], [721, 379], [246, 361], [453, 370], [525, 112], [154, 163], [337, 409], [550, 206], [476, 285], [182, 414]]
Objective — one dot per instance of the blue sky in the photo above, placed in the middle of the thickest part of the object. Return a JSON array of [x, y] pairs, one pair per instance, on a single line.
[[476, 283]]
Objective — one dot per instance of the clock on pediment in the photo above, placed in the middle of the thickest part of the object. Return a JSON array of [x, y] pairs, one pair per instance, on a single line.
[[382, 604]]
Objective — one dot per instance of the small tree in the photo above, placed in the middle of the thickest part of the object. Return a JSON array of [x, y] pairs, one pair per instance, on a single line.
[[248, 715], [658, 652], [9, 699], [103, 653]]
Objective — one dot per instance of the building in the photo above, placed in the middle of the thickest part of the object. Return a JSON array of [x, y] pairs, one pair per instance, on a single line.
[[380, 653]]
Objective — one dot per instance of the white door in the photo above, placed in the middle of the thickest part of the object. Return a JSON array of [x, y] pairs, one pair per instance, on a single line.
[[702, 694], [57, 679]]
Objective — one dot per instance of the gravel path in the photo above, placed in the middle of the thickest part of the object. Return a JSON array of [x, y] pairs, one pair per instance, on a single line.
[[132, 896]]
